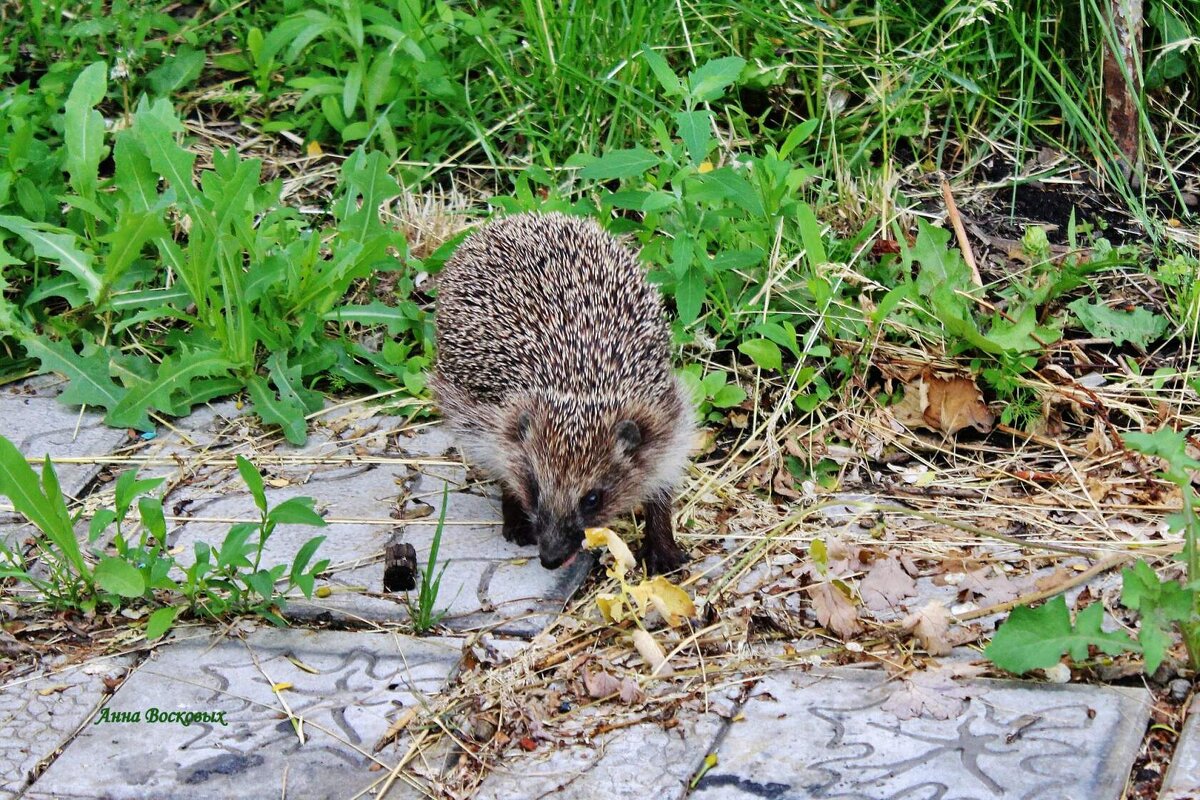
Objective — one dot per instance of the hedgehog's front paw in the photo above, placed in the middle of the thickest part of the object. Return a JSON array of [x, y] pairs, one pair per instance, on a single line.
[[519, 531], [661, 557]]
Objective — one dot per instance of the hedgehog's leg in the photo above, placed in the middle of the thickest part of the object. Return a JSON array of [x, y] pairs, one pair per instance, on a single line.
[[659, 551], [516, 521]]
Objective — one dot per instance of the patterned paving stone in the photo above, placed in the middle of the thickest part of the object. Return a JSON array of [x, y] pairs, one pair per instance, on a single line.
[[488, 581], [831, 734], [1183, 777], [337, 693], [640, 762], [39, 713], [32, 419]]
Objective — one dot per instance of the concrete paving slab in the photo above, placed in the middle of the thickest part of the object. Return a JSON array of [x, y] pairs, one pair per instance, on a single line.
[[829, 734], [39, 713], [32, 419], [488, 582], [1182, 781], [634, 763], [337, 693]]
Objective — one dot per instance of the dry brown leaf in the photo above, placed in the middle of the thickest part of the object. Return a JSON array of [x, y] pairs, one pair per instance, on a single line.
[[630, 691], [943, 403], [600, 684], [932, 693], [834, 609], [930, 625], [886, 585], [988, 588]]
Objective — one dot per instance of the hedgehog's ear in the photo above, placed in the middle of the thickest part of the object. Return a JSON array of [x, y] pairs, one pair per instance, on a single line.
[[629, 435], [524, 426]]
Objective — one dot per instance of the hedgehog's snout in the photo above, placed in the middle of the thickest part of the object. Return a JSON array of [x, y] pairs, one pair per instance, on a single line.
[[558, 540]]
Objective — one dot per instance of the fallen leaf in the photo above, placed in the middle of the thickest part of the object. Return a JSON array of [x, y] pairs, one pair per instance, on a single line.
[[600, 684], [930, 625], [943, 403], [653, 653], [987, 587], [605, 537], [834, 609], [886, 585], [527, 744], [612, 607], [671, 602], [931, 693], [630, 691]]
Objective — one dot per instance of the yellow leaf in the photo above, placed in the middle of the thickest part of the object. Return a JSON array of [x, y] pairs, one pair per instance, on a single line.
[[595, 537], [282, 686], [705, 166], [672, 603], [612, 607], [314, 149], [652, 652]]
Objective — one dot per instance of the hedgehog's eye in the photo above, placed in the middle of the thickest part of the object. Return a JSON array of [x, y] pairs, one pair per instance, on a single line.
[[591, 501]]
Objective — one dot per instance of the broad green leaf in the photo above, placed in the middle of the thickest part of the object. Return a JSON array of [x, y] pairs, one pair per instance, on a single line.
[[161, 621], [695, 129], [178, 70], [689, 295], [305, 554], [57, 245], [175, 374], [367, 184], [763, 352], [352, 87], [1037, 638], [662, 71], [48, 513], [728, 184], [89, 383], [273, 410], [155, 126], [620, 164], [709, 81], [83, 128], [254, 482], [1166, 444], [1139, 327], [133, 230], [1022, 334], [296, 511], [119, 577], [728, 396], [288, 380], [151, 511]]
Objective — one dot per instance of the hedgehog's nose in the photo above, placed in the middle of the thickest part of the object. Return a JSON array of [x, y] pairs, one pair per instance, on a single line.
[[559, 547]]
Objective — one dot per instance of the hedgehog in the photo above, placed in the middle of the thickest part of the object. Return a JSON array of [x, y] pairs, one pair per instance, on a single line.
[[554, 374]]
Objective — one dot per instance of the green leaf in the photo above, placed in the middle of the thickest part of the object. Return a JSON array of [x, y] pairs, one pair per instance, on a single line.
[[57, 245], [763, 352], [728, 396], [20, 484], [728, 184], [274, 410], [1037, 638], [175, 374], [151, 511], [1160, 604], [1167, 445], [810, 236], [662, 71], [368, 184], [83, 128], [160, 622], [689, 295], [119, 577], [296, 511], [305, 554], [177, 71], [125, 242], [254, 482], [620, 164], [695, 129], [373, 313], [1138, 327], [709, 81], [89, 383]]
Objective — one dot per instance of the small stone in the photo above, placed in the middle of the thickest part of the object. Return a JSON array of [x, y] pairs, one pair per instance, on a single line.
[[1180, 689]]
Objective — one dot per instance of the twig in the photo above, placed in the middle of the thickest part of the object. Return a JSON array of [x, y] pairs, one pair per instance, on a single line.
[[960, 233]]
